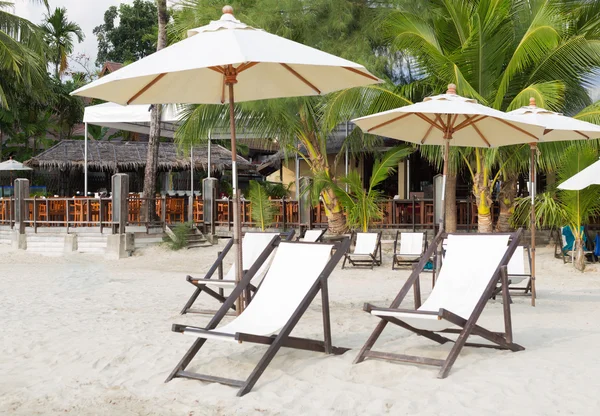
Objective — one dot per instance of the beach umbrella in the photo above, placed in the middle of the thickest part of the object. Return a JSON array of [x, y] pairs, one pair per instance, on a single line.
[[11, 166], [557, 127], [587, 177], [228, 61], [450, 120]]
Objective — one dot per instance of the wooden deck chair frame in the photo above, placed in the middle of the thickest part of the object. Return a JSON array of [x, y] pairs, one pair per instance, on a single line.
[[398, 260], [217, 267], [275, 342], [468, 327], [319, 239], [527, 288], [374, 257]]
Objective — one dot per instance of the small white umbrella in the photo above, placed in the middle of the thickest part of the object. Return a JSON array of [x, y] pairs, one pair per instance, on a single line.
[[205, 67], [587, 177], [450, 120], [11, 166], [557, 127]]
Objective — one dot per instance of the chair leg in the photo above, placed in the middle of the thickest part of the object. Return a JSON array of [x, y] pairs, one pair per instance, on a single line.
[[187, 358], [191, 300], [344, 262], [370, 342]]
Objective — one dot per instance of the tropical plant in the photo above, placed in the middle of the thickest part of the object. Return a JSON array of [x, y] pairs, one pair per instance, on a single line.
[[361, 205], [263, 211], [557, 208], [179, 237], [59, 33], [22, 54]]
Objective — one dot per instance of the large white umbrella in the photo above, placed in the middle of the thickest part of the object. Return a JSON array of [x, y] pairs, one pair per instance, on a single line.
[[587, 177], [205, 67], [450, 120], [557, 127]]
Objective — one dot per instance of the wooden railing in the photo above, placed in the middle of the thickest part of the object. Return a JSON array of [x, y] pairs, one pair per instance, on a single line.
[[160, 211]]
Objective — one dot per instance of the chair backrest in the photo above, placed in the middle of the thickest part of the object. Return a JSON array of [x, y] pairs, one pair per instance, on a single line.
[[469, 265], [411, 243], [516, 265], [294, 270], [366, 243], [312, 236], [253, 244]]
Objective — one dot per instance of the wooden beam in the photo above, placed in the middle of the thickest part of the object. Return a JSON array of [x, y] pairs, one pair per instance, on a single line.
[[432, 122], [210, 379], [301, 78], [146, 88], [245, 66], [468, 121], [388, 122], [517, 128], [427, 134], [581, 134], [404, 358], [218, 69], [481, 135], [356, 71]]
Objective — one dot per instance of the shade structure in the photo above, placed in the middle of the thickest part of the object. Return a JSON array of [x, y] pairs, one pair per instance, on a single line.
[[224, 62], [450, 120], [587, 177], [12, 165], [557, 127], [135, 118]]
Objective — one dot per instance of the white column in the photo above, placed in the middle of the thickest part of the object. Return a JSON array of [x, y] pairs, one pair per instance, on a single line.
[[85, 161], [208, 166]]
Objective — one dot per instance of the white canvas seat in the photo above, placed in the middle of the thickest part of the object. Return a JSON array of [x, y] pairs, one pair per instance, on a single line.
[[299, 271], [468, 267], [286, 283], [312, 236], [516, 266], [253, 244], [367, 251], [472, 266], [408, 248]]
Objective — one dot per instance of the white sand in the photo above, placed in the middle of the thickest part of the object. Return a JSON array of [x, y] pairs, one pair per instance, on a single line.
[[90, 337]]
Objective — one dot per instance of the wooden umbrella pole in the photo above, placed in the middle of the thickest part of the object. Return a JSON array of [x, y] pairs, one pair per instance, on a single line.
[[533, 147], [237, 227]]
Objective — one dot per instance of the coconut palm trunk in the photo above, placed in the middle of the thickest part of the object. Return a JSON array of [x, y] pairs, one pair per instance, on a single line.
[[483, 198], [450, 202], [154, 140], [506, 200]]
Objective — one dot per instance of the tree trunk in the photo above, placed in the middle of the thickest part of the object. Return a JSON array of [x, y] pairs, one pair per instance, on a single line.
[[450, 203], [154, 140], [579, 259], [336, 220], [483, 198], [506, 200]]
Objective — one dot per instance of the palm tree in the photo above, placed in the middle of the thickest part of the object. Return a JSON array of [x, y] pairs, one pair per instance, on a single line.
[[59, 33], [22, 61], [500, 52], [297, 125]]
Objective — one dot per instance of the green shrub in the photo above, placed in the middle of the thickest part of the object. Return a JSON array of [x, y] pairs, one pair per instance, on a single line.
[[180, 237]]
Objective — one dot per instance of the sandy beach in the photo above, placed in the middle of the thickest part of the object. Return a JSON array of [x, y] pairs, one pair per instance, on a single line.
[[86, 336]]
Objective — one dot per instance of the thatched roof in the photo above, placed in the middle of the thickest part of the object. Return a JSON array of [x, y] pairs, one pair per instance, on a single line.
[[127, 156]]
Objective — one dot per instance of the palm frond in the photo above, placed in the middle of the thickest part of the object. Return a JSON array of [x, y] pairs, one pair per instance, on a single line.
[[263, 211]]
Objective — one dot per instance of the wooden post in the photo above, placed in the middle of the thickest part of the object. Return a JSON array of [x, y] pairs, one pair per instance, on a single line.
[[120, 194]]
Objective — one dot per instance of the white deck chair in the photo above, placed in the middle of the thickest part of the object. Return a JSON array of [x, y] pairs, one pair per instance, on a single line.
[[286, 292], [408, 248], [253, 244], [517, 272], [313, 236], [472, 266], [367, 251]]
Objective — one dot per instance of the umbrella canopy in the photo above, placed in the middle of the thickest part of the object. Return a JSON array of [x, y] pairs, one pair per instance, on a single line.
[[12, 165], [557, 126], [134, 118], [195, 70], [450, 118], [229, 61], [587, 177]]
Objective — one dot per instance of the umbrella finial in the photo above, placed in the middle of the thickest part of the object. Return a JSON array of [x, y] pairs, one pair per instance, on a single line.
[[532, 102], [228, 10], [451, 89]]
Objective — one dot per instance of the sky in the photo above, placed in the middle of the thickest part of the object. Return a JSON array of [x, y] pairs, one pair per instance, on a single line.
[[87, 13]]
